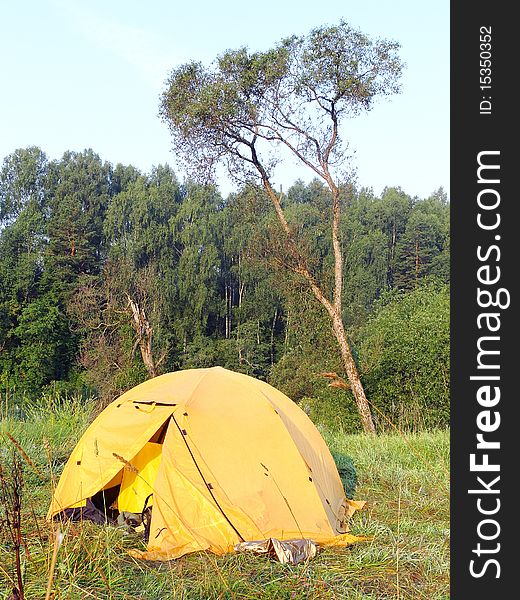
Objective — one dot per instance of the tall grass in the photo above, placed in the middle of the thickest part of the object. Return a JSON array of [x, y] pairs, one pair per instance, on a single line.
[[406, 517]]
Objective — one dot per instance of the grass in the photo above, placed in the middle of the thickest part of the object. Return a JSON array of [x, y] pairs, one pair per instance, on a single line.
[[407, 518]]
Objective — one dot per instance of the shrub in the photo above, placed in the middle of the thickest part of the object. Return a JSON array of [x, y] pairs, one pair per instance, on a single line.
[[404, 354]]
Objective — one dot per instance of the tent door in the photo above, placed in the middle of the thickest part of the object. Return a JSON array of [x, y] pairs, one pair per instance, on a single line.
[[138, 482]]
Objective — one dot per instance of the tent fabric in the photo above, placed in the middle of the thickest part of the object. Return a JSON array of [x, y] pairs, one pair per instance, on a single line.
[[137, 482], [232, 460]]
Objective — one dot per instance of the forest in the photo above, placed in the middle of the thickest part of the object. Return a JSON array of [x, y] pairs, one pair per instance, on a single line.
[[110, 276]]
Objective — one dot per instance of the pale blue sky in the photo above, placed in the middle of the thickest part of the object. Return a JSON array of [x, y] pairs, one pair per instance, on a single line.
[[82, 74]]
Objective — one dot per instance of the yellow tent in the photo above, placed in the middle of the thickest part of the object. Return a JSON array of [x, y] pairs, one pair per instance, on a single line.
[[223, 458]]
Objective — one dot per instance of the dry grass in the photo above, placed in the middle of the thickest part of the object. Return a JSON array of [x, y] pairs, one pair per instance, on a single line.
[[407, 515]]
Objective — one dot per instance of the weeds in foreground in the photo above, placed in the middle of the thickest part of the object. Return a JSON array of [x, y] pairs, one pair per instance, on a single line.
[[11, 493]]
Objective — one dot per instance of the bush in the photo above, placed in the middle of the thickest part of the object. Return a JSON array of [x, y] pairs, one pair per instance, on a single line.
[[405, 357], [332, 410]]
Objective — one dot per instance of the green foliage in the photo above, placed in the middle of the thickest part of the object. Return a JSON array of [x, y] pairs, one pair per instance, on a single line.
[[308, 352], [197, 278], [44, 349], [141, 268], [294, 93], [204, 351], [421, 250], [405, 356], [373, 230], [332, 409], [22, 241], [80, 238], [80, 188], [23, 178]]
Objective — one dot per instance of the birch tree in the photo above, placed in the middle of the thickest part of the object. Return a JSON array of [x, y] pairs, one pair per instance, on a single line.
[[246, 107]]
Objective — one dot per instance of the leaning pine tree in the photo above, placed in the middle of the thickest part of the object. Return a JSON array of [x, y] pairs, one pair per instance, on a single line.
[[247, 106]]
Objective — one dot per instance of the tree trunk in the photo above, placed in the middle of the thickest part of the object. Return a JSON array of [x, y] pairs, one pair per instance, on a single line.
[[353, 376], [417, 262], [333, 307], [228, 310], [273, 326], [144, 333]]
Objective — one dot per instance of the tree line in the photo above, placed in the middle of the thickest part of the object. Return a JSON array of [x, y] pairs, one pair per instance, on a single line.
[[109, 276]]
